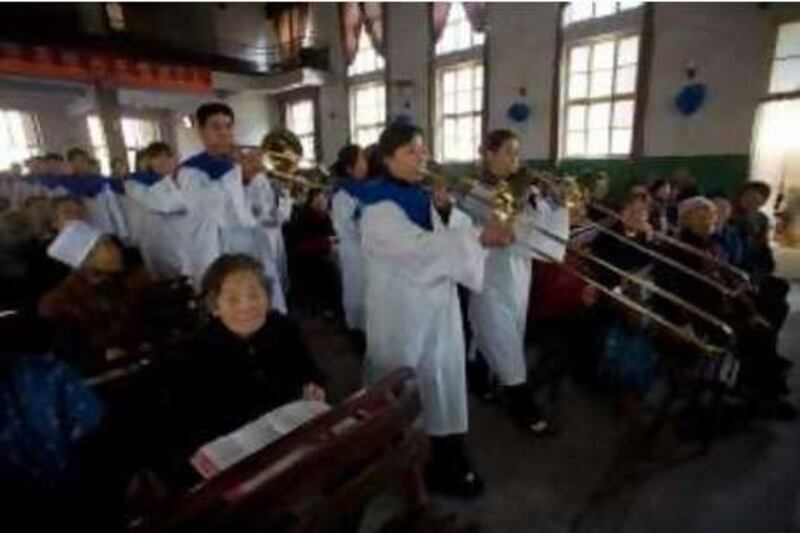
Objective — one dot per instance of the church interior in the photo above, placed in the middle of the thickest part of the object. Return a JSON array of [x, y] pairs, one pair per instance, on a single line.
[[372, 267]]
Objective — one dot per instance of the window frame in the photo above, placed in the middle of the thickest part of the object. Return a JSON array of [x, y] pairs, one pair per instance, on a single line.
[[288, 99], [768, 95], [353, 81], [611, 98], [477, 54], [352, 88], [441, 116], [30, 150], [564, 23], [98, 150]]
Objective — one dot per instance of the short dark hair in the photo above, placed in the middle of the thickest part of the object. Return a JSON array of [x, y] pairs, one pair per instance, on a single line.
[[157, 148], [208, 110], [75, 153], [396, 135], [225, 266], [53, 156], [347, 158], [760, 187], [497, 138], [657, 184], [374, 157]]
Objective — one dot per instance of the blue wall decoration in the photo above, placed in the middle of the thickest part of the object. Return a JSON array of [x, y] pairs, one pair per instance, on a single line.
[[690, 98], [518, 112]]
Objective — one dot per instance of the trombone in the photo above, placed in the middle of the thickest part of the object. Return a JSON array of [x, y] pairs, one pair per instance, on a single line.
[[502, 205], [284, 167], [723, 289]]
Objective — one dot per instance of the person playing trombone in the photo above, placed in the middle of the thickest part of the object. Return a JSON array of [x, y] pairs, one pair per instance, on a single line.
[[413, 263], [498, 314]]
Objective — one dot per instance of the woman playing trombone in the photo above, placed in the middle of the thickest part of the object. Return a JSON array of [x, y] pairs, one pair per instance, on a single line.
[[498, 314]]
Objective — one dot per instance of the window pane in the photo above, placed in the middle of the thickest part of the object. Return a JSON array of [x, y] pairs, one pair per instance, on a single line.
[[626, 80], [785, 75], [449, 81], [576, 117], [604, 8], [599, 116], [598, 142], [581, 10], [621, 141], [367, 59], [458, 113], [575, 143], [603, 55], [623, 114], [19, 138], [788, 40], [601, 83], [578, 85], [458, 33], [464, 79], [477, 99], [628, 53], [579, 59], [628, 4]]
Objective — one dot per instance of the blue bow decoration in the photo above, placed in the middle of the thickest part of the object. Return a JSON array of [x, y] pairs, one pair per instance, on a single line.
[[690, 98]]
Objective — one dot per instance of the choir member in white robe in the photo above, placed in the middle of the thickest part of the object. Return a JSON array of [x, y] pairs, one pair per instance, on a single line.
[[498, 314], [159, 211], [412, 265], [220, 221], [346, 205], [264, 200]]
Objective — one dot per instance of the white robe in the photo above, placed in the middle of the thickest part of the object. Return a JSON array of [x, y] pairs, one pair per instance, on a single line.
[[220, 222], [157, 213], [265, 206], [351, 263], [413, 316], [498, 314]]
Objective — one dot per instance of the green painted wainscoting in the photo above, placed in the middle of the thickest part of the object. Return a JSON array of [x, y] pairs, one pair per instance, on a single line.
[[711, 172]]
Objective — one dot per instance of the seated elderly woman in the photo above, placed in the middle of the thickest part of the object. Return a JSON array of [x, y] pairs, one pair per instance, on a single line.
[[99, 308], [763, 374], [248, 360]]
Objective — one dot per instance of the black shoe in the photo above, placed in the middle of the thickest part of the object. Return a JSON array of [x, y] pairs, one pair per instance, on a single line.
[[466, 484], [449, 471], [524, 411]]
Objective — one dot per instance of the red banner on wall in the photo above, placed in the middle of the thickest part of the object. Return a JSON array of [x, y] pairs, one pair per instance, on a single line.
[[110, 69]]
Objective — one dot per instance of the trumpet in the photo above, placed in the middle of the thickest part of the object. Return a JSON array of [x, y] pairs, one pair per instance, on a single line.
[[500, 203]]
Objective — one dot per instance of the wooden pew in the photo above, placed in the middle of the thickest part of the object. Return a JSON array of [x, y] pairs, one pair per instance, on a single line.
[[318, 477]]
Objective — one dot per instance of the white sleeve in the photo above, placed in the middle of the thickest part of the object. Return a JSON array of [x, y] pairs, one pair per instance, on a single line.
[[343, 208], [234, 188], [161, 197], [423, 257]]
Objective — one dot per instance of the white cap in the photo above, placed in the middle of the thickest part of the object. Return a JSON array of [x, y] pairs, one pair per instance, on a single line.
[[74, 243]]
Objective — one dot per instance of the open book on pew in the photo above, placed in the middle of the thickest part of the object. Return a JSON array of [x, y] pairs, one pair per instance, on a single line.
[[219, 454]]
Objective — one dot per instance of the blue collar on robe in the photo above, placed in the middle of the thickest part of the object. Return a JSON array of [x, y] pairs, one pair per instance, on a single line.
[[87, 186], [146, 178], [214, 166], [51, 181], [411, 198]]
